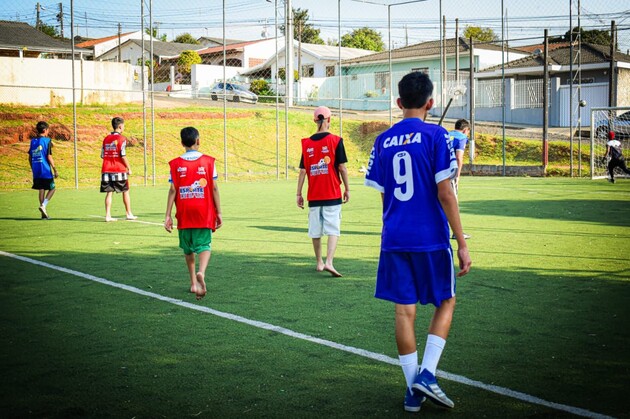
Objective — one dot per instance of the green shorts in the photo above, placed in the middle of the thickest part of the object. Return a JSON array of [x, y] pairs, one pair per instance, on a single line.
[[195, 240]]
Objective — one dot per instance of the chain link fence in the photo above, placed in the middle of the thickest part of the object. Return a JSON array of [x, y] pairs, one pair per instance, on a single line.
[[222, 67]]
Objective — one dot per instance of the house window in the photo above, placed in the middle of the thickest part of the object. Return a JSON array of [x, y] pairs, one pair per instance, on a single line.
[[586, 80], [330, 70], [381, 79], [308, 70], [424, 70]]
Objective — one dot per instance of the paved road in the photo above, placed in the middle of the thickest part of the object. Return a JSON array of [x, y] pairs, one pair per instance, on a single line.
[[492, 128]]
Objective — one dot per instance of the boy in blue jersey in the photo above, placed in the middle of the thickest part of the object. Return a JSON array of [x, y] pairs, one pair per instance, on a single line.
[[459, 137], [411, 164], [43, 166]]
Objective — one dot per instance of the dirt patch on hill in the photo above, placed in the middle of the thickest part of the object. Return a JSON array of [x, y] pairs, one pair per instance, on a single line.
[[61, 132], [24, 133], [372, 127], [187, 115]]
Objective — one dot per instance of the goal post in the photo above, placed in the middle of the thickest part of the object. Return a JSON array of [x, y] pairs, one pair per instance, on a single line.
[[603, 121]]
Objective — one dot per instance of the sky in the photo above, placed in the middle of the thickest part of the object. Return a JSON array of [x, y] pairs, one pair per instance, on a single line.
[[410, 23]]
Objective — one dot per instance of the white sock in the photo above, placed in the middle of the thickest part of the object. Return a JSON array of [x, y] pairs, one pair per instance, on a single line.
[[409, 364], [45, 202], [432, 353]]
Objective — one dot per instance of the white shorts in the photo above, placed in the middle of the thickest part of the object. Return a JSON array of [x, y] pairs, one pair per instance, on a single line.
[[324, 221]]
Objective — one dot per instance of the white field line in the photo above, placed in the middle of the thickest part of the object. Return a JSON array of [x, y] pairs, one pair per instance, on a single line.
[[356, 351], [132, 221]]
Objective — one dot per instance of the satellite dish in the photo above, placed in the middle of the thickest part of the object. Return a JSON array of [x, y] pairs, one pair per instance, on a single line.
[[537, 52]]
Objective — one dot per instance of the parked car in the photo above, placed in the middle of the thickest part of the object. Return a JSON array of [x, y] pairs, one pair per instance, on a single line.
[[620, 125], [233, 92]]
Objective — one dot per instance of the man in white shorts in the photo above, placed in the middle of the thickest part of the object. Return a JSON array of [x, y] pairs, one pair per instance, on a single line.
[[323, 163]]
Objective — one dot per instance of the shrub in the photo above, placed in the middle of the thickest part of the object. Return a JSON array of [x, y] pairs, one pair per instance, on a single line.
[[260, 87]]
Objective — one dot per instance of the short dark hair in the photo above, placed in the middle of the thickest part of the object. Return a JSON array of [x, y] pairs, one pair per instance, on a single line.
[[415, 90], [189, 136], [461, 124], [41, 127], [116, 122]]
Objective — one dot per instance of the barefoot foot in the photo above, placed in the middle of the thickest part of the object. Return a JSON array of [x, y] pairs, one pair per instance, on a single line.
[[201, 286], [332, 270]]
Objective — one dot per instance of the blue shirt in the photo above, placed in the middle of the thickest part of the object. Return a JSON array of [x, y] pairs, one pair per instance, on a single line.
[[406, 164], [38, 153], [459, 140]]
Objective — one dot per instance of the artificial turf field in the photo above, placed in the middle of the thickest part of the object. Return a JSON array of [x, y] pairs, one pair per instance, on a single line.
[[545, 311]]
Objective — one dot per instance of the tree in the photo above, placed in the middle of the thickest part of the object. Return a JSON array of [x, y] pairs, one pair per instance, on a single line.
[[185, 38], [154, 33], [480, 34], [186, 60], [592, 37], [302, 30], [364, 38], [49, 30]]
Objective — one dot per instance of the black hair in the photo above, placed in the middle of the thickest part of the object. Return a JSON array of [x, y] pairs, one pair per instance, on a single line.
[[41, 127], [461, 124], [189, 136], [415, 90], [116, 122]]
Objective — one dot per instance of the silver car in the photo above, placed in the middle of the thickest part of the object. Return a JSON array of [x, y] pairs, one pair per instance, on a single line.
[[233, 92]]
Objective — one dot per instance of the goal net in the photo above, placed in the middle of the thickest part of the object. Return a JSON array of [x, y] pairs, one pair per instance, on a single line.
[[603, 121]]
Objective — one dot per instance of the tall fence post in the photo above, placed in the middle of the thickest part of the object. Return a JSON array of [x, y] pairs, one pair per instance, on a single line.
[[545, 132]]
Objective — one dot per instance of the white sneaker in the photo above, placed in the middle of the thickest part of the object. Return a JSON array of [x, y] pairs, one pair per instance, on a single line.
[[42, 209], [110, 219], [131, 217]]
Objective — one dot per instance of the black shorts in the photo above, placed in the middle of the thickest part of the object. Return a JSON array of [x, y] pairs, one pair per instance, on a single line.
[[114, 182], [46, 184]]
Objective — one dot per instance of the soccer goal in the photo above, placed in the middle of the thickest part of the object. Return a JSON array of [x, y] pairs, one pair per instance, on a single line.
[[603, 121]]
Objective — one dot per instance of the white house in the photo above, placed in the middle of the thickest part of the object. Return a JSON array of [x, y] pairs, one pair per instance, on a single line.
[[315, 60], [131, 51], [102, 45], [245, 54]]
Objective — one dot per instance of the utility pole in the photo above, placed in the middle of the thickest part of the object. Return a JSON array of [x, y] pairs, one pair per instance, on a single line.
[[545, 148], [38, 7], [119, 46], [457, 51], [60, 18], [406, 36], [86, 26]]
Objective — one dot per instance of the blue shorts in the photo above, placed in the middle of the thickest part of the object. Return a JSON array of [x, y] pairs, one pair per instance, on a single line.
[[412, 277]]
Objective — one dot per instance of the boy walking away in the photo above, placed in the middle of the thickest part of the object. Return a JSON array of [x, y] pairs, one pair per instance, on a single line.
[[195, 193], [411, 164], [115, 170], [43, 166], [323, 162], [459, 138], [613, 150]]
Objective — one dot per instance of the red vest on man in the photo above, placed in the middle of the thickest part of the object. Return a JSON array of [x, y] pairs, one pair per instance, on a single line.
[[112, 153], [193, 184], [319, 163]]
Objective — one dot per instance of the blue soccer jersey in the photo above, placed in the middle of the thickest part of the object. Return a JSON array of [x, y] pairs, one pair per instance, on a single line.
[[459, 140], [406, 164], [38, 152]]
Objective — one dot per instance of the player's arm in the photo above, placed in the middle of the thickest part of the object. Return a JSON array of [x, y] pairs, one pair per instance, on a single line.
[[459, 155], [217, 203], [343, 171], [300, 185], [51, 161], [168, 221], [126, 162], [449, 205]]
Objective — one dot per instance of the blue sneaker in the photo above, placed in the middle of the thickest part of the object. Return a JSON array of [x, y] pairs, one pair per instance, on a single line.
[[413, 401], [427, 384]]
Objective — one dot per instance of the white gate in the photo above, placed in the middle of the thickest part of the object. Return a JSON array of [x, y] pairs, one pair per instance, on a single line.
[[595, 95]]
